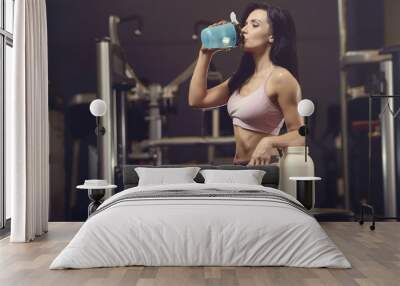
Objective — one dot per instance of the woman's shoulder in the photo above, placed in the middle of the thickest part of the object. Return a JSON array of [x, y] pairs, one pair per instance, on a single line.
[[282, 81], [281, 75]]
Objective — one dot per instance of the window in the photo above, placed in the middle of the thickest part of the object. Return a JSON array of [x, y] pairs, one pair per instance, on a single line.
[[6, 63]]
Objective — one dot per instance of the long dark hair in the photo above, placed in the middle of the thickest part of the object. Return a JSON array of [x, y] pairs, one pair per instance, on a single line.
[[283, 50]]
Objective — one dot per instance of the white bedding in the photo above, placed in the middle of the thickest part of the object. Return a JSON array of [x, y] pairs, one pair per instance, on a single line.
[[184, 231]]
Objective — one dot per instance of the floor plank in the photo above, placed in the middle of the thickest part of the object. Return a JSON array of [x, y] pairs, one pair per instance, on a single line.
[[375, 257]]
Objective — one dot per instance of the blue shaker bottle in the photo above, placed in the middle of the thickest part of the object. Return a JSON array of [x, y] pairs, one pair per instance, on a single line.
[[223, 36]]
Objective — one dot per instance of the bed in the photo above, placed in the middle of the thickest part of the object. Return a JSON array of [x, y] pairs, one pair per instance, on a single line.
[[201, 224]]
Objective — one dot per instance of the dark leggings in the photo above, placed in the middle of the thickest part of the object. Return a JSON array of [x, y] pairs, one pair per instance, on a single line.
[[274, 159], [241, 163]]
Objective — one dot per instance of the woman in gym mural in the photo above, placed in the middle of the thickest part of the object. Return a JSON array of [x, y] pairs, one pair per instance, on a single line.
[[264, 92]]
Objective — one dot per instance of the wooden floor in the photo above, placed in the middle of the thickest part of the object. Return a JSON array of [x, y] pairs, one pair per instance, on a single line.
[[374, 255]]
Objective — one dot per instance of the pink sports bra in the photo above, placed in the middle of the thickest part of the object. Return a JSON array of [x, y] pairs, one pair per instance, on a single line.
[[255, 111]]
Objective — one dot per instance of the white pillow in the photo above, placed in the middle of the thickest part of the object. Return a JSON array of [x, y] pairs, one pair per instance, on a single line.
[[163, 176], [248, 177]]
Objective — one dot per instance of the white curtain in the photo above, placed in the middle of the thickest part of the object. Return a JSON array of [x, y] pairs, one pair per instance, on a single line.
[[27, 134]]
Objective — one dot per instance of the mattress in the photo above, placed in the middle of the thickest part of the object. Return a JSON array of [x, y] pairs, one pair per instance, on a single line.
[[201, 225]]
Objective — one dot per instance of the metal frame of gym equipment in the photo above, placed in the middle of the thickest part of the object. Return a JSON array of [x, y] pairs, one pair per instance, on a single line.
[[117, 83], [347, 59], [386, 104]]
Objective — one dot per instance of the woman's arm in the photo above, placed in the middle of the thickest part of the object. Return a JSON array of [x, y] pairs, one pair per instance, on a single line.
[[288, 94], [199, 95]]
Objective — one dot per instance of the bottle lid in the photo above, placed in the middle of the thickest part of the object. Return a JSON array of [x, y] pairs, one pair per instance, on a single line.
[[233, 18], [235, 22]]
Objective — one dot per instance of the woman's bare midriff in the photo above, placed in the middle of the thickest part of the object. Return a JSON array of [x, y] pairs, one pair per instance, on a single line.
[[246, 142]]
